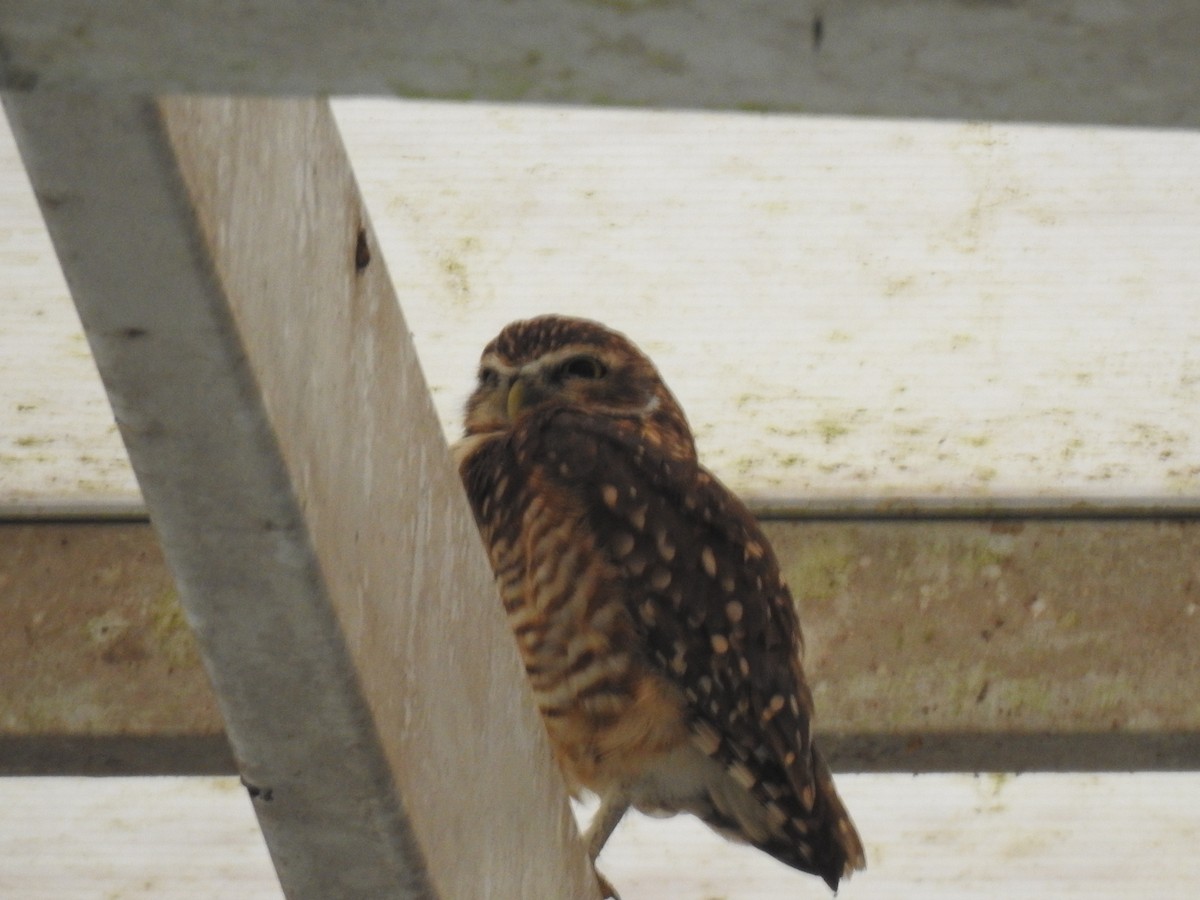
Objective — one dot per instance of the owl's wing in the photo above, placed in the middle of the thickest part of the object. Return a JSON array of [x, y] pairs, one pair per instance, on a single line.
[[703, 587]]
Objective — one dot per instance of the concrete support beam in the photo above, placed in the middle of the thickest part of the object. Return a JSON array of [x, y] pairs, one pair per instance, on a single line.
[[100, 671], [284, 441], [960, 645]]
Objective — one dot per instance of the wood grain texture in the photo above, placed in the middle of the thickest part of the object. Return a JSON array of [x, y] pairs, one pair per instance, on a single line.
[[283, 438]]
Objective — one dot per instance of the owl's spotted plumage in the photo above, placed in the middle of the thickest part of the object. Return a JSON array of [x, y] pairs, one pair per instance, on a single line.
[[661, 643]]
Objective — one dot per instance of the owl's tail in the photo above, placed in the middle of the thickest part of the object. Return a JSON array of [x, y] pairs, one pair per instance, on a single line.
[[834, 839], [822, 842]]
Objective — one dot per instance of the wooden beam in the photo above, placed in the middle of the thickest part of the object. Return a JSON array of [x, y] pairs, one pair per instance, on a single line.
[[264, 383], [1120, 62], [962, 645]]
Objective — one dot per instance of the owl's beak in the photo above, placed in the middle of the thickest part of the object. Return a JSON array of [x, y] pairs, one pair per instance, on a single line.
[[516, 399], [526, 392]]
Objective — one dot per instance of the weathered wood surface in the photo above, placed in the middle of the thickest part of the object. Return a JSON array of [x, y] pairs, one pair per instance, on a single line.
[[881, 317], [1105, 61], [946, 837], [264, 383], [970, 646]]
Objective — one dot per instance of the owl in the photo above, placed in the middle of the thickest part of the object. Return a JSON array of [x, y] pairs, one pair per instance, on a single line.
[[661, 643]]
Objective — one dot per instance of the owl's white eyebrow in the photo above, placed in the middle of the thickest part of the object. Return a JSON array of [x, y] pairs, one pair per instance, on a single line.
[[651, 405], [546, 361], [491, 361], [550, 360]]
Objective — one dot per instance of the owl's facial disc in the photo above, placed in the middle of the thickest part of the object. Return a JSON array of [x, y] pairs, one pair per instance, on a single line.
[[559, 362], [569, 376], [578, 375]]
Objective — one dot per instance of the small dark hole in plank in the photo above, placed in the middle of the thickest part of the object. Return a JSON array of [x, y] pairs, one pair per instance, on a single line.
[[362, 252]]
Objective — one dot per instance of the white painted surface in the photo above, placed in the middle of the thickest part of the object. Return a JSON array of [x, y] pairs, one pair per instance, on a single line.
[[1103, 837], [877, 313], [127, 838], [59, 445]]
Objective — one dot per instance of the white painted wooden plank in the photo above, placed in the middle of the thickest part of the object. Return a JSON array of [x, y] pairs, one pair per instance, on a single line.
[[855, 315], [1106, 837], [946, 837], [303, 493], [1110, 61], [879, 314], [165, 838]]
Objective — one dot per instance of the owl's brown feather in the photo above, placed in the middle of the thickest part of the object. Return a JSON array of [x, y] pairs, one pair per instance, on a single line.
[[663, 647]]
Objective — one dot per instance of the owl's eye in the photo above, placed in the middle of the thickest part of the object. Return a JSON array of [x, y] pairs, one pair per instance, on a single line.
[[489, 377], [583, 367]]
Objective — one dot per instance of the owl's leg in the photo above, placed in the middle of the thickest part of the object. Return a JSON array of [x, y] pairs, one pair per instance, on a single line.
[[613, 806]]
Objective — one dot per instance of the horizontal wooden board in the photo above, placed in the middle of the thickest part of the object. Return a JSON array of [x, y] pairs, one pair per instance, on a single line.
[[1108, 61], [859, 317], [945, 837], [959, 645]]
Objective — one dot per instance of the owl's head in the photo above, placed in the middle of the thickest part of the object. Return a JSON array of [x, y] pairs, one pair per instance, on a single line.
[[561, 362]]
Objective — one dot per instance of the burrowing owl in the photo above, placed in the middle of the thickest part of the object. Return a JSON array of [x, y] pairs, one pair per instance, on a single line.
[[660, 640]]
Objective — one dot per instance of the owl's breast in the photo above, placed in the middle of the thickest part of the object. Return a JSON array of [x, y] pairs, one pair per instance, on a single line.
[[606, 712]]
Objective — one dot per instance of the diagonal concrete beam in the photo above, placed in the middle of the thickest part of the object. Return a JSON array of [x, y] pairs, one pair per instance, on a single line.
[[283, 437]]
